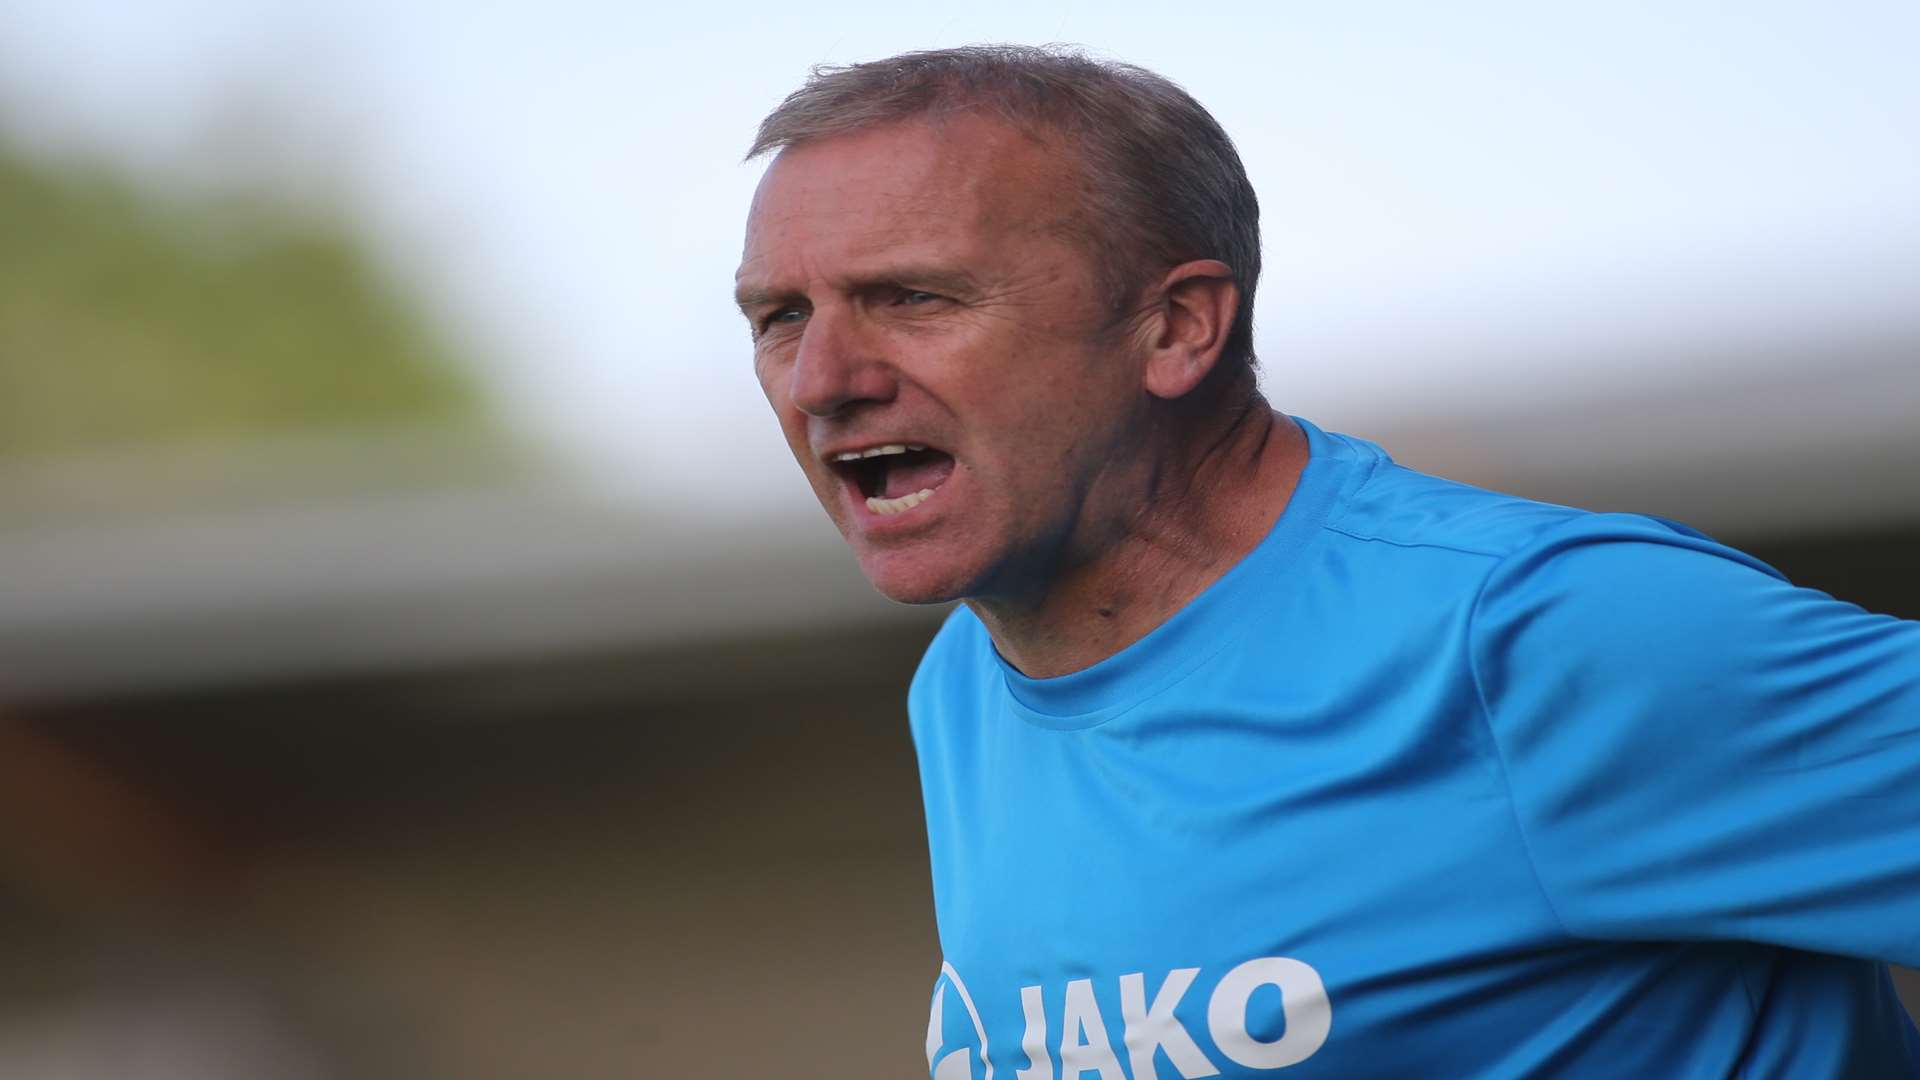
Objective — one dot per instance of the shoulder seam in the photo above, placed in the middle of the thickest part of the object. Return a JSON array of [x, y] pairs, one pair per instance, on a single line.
[[1371, 468], [1377, 465], [1366, 539]]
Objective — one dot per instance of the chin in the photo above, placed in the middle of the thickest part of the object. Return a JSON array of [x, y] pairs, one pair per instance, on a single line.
[[903, 583], [901, 592]]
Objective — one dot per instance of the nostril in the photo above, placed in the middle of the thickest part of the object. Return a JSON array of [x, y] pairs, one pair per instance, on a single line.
[[823, 384]]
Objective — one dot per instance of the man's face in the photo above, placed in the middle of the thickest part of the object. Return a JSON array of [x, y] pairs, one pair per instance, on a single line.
[[941, 358]]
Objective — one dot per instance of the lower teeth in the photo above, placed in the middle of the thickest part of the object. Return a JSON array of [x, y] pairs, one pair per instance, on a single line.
[[893, 506]]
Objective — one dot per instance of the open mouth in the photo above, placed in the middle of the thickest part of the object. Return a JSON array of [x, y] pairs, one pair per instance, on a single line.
[[896, 477]]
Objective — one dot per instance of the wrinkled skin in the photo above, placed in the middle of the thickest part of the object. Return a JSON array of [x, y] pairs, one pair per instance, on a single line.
[[908, 284]]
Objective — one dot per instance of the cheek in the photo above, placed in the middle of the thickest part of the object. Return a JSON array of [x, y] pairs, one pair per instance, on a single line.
[[793, 423], [775, 379], [772, 378]]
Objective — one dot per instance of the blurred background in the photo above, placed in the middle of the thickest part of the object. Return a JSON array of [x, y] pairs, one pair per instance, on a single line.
[[419, 656]]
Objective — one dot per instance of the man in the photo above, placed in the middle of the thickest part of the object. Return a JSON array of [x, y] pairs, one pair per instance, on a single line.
[[1249, 750]]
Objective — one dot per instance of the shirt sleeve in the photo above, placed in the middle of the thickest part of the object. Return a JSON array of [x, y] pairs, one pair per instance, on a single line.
[[1697, 749]]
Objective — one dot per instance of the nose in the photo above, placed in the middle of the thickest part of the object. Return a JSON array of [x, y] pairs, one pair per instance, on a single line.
[[839, 363]]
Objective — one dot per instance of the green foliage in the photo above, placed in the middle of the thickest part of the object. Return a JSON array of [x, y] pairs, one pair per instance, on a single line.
[[123, 325]]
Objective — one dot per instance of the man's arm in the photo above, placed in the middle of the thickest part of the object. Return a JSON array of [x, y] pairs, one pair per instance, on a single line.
[[1697, 749]]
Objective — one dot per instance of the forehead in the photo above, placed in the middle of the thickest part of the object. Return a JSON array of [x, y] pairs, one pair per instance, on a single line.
[[962, 187]]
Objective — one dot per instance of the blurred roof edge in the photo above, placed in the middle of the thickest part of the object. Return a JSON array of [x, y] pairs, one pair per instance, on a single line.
[[257, 583]]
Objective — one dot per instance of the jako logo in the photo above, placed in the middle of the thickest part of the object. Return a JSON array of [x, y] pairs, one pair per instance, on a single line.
[[954, 1064], [1148, 1029]]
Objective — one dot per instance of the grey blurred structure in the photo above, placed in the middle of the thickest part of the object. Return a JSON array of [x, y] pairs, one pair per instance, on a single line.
[[332, 755], [305, 561], [507, 780]]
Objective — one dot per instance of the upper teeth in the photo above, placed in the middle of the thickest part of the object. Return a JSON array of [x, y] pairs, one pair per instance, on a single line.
[[878, 451]]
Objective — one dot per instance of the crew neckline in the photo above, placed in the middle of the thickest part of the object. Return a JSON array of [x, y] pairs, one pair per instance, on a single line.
[[1200, 629]]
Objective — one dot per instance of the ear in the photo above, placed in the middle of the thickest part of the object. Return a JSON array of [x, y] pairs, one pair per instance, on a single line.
[[1197, 304]]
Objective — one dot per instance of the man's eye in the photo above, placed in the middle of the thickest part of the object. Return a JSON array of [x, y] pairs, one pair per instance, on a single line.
[[784, 315], [917, 296]]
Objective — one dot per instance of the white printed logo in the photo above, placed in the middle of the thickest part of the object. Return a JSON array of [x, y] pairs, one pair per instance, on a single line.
[[1148, 1028], [955, 1062]]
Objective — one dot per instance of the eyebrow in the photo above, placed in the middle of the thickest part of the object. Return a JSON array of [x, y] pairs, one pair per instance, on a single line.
[[941, 279], [745, 298]]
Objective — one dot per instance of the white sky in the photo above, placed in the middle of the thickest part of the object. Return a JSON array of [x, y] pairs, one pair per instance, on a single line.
[[1454, 194]]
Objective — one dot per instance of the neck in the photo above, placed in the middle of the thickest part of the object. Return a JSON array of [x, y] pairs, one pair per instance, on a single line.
[[1203, 501]]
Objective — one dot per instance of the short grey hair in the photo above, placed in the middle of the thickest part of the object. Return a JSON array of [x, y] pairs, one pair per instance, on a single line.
[[1165, 184]]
